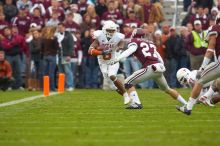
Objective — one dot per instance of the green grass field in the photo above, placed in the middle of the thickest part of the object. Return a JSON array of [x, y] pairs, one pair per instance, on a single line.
[[98, 118]]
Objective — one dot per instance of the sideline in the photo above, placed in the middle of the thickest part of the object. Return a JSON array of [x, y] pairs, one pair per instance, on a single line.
[[25, 99]]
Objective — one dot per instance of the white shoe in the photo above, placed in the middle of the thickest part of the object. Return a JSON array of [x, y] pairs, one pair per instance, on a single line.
[[9, 89], [21, 88], [127, 100], [206, 101], [70, 89]]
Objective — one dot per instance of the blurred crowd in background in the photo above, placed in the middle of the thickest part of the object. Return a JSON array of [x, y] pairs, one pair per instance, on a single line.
[[30, 44]]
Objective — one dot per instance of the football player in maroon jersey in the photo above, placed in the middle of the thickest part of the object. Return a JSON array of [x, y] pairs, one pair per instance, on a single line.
[[152, 68], [210, 71]]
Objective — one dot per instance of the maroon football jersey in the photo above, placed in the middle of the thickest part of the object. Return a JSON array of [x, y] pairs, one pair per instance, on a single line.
[[146, 51], [216, 30]]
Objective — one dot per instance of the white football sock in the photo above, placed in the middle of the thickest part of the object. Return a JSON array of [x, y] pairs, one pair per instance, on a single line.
[[135, 97], [191, 103], [181, 99], [209, 93], [126, 98]]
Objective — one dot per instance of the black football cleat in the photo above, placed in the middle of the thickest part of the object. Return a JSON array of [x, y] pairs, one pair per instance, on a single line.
[[134, 106], [184, 110]]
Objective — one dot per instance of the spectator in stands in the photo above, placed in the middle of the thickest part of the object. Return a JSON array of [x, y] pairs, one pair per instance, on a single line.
[[95, 19], [205, 3], [55, 8], [112, 14], [37, 18], [82, 4], [53, 21], [196, 45], [6, 78], [66, 6], [24, 3], [77, 18], [214, 13], [3, 23], [132, 21], [149, 12], [50, 47], [70, 25], [66, 43], [159, 43], [87, 23], [101, 7], [22, 21], [13, 45], [10, 10], [132, 5], [173, 54], [76, 58], [200, 16], [41, 7], [35, 45]]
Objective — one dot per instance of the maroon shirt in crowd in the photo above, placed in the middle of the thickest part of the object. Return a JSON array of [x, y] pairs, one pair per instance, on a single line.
[[58, 10], [115, 16], [147, 11], [77, 47], [132, 23], [71, 26], [204, 20], [96, 21], [82, 8], [38, 20], [146, 58], [22, 23]]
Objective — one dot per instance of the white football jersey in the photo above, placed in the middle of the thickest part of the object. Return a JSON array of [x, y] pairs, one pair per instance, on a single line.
[[193, 78], [108, 44]]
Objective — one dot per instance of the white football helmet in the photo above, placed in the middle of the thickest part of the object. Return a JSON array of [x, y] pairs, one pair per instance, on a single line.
[[109, 28], [182, 75]]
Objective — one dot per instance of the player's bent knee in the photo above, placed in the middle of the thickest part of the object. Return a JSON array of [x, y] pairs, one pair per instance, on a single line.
[[128, 86]]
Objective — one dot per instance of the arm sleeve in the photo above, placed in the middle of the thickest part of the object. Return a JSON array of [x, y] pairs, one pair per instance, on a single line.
[[131, 49]]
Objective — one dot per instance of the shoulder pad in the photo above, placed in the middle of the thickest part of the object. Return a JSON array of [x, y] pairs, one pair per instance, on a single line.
[[120, 35], [97, 34]]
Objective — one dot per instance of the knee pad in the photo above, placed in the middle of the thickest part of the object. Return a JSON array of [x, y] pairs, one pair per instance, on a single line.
[[127, 86]]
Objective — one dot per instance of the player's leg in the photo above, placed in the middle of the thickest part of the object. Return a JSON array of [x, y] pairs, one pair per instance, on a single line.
[[162, 83], [112, 71], [210, 73], [131, 81]]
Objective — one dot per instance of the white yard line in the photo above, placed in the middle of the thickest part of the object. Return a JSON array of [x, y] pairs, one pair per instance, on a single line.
[[25, 99]]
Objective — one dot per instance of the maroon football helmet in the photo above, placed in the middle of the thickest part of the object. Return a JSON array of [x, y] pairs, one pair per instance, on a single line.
[[138, 33]]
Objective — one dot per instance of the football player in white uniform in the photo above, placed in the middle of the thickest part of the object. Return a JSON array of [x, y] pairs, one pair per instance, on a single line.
[[209, 94], [106, 42]]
